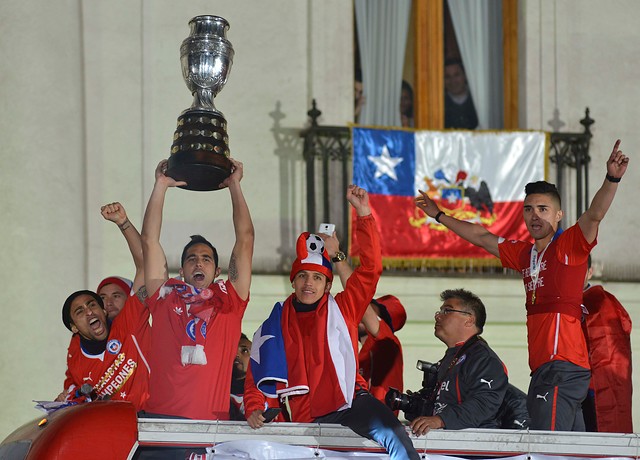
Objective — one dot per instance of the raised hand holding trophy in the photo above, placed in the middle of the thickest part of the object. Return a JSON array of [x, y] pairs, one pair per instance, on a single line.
[[200, 149]]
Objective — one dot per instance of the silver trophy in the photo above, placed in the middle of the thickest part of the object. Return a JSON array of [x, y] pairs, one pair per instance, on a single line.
[[200, 149]]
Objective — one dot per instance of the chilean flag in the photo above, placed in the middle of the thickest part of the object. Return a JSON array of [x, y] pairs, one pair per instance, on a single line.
[[474, 176]]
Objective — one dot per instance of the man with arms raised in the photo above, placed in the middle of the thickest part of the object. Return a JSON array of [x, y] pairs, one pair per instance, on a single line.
[[196, 322], [553, 270]]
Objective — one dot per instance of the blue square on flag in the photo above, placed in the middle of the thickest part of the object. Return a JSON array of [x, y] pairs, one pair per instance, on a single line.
[[384, 161], [452, 198]]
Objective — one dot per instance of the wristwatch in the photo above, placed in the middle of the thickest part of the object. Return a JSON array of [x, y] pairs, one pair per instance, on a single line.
[[339, 257]]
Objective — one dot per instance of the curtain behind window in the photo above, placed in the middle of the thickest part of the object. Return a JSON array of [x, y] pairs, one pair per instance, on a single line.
[[478, 28], [382, 36]]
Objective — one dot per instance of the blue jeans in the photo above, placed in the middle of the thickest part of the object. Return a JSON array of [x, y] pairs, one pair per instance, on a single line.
[[371, 419]]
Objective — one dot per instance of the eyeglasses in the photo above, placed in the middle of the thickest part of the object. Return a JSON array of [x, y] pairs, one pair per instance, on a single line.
[[446, 311]]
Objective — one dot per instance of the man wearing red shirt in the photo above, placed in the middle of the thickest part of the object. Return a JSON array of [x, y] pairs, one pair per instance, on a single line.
[[553, 270], [106, 354], [380, 357], [305, 352], [115, 290], [110, 362], [196, 322]]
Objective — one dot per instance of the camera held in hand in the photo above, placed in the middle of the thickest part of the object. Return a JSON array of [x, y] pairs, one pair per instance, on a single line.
[[415, 404]]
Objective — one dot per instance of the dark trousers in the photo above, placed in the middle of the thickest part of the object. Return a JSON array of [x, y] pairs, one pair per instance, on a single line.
[[555, 396], [371, 419]]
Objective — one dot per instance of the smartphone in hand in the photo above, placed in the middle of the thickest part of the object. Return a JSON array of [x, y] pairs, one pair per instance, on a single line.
[[327, 229], [271, 413]]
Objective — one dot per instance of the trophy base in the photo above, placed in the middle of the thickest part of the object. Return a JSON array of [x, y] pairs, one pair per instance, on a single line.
[[200, 151]]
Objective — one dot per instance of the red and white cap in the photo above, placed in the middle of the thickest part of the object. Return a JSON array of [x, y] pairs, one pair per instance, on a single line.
[[312, 256], [123, 283]]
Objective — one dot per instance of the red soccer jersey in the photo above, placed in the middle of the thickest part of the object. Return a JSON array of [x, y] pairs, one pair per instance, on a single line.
[[380, 362], [121, 372], [195, 391], [553, 315]]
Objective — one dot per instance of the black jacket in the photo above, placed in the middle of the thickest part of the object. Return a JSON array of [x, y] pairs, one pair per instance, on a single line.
[[472, 385]]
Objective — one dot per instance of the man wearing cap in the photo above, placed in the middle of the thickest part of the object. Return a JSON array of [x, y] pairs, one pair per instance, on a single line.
[[305, 352], [104, 352], [380, 357], [196, 319]]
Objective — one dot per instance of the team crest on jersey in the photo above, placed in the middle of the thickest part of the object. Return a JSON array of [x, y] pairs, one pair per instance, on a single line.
[[191, 329], [222, 286], [113, 346], [461, 359]]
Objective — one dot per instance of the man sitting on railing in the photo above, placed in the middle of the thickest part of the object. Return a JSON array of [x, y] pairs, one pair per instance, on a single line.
[[305, 352]]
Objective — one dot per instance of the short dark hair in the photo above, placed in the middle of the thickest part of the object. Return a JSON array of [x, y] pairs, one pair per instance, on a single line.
[[66, 307], [198, 239], [544, 188], [470, 301]]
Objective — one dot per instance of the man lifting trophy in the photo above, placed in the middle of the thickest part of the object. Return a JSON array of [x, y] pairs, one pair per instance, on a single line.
[[200, 149]]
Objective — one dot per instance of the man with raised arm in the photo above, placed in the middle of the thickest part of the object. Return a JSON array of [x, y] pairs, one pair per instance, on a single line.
[[196, 322], [305, 353], [553, 269], [106, 354]]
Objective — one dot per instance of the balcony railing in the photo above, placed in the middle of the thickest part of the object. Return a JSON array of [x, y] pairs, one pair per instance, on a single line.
[[327, 153]]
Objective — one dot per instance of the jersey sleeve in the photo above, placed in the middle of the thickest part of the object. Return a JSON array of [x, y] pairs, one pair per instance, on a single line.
[[386, 365], [134, 316], [253, 398], [572, 247], [361, 285], [510, 251], [71, 384]]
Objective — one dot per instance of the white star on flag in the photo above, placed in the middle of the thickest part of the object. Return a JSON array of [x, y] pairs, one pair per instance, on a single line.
[[385, 164], [123, 395], [257, 343]]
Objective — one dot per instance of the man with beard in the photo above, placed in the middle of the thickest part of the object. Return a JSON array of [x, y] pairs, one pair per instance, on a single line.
[[240, 366]]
